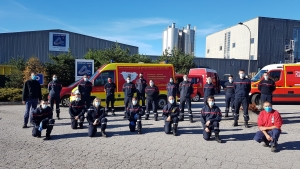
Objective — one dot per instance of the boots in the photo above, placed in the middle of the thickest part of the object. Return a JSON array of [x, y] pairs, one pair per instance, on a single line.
[[103, 133], [147, 116], [217, 137], [175, 129], [47, 137], [246, 124], [181, 117], [191, 117], [235, 123], [139, 127], [81, 125], [273, 148], [226, 113], [113, 112], [155, 116]]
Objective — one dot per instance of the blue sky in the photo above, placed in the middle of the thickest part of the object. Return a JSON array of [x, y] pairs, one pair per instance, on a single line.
[[138, 22]]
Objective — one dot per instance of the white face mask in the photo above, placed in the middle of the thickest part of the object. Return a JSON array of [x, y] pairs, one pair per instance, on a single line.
[[242, 75], [266, 77], [151, 84], [128, 81], [171, 81], [211, 103], [85, 79], [171, 101], [134, 102], [230, 80], [54, 78], [97, 104], [77, 99], [209, 81], [44, 106], [185, 79]]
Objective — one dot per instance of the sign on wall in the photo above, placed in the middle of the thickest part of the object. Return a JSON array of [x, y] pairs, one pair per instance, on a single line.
[[40, 78], [83, 67], [58, 41]]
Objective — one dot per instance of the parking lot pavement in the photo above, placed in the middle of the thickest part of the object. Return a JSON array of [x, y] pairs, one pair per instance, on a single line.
[[152, 149]]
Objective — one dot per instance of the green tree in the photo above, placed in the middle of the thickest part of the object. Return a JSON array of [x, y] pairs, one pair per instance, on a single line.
[[15, 79]]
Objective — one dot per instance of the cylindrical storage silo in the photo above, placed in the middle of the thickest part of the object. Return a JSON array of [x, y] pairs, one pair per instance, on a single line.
[[165, 40], [172, 38]]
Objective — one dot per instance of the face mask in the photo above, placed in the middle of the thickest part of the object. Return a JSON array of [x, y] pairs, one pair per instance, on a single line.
[[134, 102], [209, 81], [141, 77], [54, 78], [242, 75], [109, 81], [44, 106], [171, 81], [97, 104], [266, 77], [33, 77], [128, 81], [185, 79], [77, 99], [151, 84], [230, 80], [85, 79], [211, 103], [268, 109], [171, 101]]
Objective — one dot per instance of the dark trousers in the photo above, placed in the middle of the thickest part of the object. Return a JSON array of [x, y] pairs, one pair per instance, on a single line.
[[135, 120], [141, 96], [266, 97], [127, 101], [275, 133], [237, 104], [48, 125], [110, 99], [213, 126], [183, 101], [57, 102], [87, 101], [168, 124], [229, 100], [151, 103], [74, 123], [30, 104], [93, 128]]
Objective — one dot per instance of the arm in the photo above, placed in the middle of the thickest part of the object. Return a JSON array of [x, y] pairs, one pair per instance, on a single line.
[[103, 114], [175, 112], [249, 87], [274, 87], [90, 87], [49, 88], [218, 116], [259, 86], [213, 90], [25, 92], [60, 87], [202, 119], [40, 91], [105, 87], [133, 88], [71, 111], [123, 88], [141, 111]]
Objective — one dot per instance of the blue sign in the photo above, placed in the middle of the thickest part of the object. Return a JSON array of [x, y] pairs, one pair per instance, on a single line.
[[83, 67], [59, 40], [40, 78]]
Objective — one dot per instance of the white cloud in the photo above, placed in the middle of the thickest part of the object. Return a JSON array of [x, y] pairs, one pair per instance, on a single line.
[[19, 5], [209, 30]]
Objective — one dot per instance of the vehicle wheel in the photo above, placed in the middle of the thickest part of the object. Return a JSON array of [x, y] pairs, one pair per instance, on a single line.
[[256, 99], [65, 101], [162, 101], [196, 98]]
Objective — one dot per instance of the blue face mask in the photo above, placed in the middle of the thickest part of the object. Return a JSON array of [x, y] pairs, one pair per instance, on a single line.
[[33, 77], [268, 109]]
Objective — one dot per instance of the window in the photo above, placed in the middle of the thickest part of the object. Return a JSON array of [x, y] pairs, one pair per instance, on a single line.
[[194, 80], [275, 75], [233, 45], [101, 80], [252, 40], [220, 47], [207, 51]]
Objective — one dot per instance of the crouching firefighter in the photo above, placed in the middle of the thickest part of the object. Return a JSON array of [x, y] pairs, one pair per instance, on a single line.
[[134, 113], [76, 111], [42, 119], [170, 115], [96, 117], [210, 117]]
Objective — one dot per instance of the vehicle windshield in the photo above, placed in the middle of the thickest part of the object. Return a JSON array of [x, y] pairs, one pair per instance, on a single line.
[[73, 83], [258, 76], [93, 75]]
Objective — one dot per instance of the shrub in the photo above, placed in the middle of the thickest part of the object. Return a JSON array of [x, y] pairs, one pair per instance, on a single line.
[[15, 94]]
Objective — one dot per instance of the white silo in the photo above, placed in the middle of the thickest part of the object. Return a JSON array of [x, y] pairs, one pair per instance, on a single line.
[[189, 40], [172, 41], [165, 40]]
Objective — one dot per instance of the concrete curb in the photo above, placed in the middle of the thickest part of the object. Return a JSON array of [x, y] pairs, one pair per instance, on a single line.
[[10, 103]]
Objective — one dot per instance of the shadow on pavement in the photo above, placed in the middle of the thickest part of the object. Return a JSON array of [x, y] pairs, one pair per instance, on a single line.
[[69, 135], [292, 145], [286, 121], [237, 137]]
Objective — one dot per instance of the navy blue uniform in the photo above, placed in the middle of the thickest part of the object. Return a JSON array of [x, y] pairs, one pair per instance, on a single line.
[[229, 96], [242, 88], [134, 113], [42, 119], [110, 89], [209, 90], [85, 89], [77, 108], [173, 111], [128, 89], [266, 88], [185, 89], [93, 114], [54, 89], [151, 100], [172, 89], [213, 115], [141, 85]]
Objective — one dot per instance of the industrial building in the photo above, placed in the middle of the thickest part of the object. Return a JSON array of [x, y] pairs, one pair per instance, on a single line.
[[182, 39], [267, 40], [45, 42]]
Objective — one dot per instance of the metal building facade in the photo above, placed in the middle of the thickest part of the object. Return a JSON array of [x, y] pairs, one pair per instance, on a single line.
[[27, 44]]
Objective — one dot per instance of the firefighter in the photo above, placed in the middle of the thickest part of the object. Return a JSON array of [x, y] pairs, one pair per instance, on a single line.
[[134, 113], [209, 89], [170, 115], [141, 85], [109, 89], [76, 111], [151, 100], [242, 88], [41, 118], [85, 89], [269, 123], [54, 89], [210, 118], [266, 88], [96, 117], [229, 95], [185, 89], [172, 89], [128, 89]]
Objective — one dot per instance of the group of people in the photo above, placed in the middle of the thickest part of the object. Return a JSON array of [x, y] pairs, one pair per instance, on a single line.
[[237, 91]]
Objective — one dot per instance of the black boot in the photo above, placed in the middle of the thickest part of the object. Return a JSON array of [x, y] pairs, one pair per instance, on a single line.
[[147, 116], [191, 117], [47, 137], [103, 133], [235, 123], [155, 116], [57, 113], [273, 148], [125, 117], [226, 113], [175, 129], [181, 117], [246, 124], [139, 127], [217, 137], [81, 125], [113, 112]]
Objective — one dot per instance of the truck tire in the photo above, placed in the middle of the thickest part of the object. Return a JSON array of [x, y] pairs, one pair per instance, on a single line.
[[162, 101], [256, 99], [65, 101], [196, 98]]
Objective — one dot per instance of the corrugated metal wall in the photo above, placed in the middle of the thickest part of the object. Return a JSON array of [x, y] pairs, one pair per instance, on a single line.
[[36, 43]]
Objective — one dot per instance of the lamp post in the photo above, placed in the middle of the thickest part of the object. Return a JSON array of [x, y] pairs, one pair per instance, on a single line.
[[241, 23]]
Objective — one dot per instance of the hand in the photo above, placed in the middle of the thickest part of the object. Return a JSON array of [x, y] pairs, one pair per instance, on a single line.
[[76, 117], [23, 102], [207, 130], [207, 123], [169, 118], [269, 138]]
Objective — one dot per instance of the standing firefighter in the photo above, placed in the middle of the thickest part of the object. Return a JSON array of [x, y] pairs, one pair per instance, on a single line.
[[185, 89], [172, 89], [128, 89], [141, 85], [134, 113], [151, 100], [54, 89], [170, 115], [242, 87], [209, 89], [109, 89], [96, 117], [85, 89], [229, 95], [266, 88], [76, 111]]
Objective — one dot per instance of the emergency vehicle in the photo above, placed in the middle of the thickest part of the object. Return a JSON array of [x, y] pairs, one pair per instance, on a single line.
[[287, 81], [159, 73]]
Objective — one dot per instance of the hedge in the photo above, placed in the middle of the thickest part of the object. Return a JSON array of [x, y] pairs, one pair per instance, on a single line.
[[15, 94]]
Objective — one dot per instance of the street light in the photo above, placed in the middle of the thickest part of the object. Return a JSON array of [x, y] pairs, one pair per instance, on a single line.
[[241, 23]]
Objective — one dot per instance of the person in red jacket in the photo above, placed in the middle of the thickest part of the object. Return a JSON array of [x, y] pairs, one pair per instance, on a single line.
[[269, 123]]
